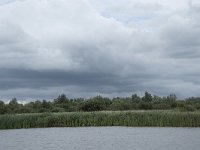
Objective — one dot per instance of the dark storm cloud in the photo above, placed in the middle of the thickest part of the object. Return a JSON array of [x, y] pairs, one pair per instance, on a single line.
[[12, 78]]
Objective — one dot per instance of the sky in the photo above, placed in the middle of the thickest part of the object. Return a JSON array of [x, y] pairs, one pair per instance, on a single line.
[[85, 48]]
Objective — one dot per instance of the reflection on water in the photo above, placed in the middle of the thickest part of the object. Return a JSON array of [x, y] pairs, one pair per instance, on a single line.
[[101, 138]]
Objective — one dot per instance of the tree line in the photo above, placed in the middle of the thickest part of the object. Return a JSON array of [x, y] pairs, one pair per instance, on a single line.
[[98, 103]]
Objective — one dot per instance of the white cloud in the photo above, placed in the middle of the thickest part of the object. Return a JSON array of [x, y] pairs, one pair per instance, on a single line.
[[61, 30]]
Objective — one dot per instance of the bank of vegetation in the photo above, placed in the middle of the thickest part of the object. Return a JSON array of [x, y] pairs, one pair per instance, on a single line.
[[148, 110], [99, 103], [102, 118]]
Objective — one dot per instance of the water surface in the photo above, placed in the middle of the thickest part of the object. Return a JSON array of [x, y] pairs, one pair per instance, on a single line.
[[101, 138]]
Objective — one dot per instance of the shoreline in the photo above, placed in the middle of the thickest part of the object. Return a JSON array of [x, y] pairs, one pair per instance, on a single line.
[[101, 119]]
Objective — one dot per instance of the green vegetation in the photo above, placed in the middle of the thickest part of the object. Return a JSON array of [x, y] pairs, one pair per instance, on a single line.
[[99, 103], [102, 118], [102, 111]]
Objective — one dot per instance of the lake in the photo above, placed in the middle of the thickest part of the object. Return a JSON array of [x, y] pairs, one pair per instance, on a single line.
[[101, 138]]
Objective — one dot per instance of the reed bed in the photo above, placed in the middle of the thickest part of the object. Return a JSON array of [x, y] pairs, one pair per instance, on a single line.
[[119, 118]]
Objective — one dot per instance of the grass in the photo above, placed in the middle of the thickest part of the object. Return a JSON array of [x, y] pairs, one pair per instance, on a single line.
[[118, 118]]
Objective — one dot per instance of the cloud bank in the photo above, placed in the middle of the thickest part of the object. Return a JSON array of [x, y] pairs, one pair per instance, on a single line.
[[90, 47]]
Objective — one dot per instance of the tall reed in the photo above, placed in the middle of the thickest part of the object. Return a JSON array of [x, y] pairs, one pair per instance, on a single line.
[[119, 118]]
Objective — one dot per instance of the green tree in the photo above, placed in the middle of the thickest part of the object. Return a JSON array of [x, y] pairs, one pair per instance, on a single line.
[[95, 104], [13, 105], [135, 98], [61, 99], [171, 100], [147, 97], [2, 107]]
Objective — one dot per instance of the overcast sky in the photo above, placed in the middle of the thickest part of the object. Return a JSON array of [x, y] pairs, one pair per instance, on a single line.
[[88, 47]]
